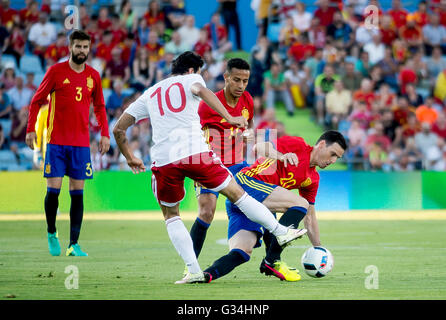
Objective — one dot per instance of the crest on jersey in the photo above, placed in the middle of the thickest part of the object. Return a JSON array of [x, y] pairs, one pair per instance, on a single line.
[[245, 113], [306, 183], [90, 83], [48, 169]]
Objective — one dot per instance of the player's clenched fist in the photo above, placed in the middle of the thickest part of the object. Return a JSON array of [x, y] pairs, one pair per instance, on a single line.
[[31, 139], [137, 165]]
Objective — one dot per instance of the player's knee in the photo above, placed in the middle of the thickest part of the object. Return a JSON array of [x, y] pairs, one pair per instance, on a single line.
[[300, 202], [233, 191], [206, 213]]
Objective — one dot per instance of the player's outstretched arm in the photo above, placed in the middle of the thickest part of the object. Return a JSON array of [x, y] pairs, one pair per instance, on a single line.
[[119, 131], [311, 224], [215, 104], [266, 149]]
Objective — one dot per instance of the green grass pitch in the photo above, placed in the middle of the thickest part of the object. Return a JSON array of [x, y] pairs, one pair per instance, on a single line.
[[135, 260]]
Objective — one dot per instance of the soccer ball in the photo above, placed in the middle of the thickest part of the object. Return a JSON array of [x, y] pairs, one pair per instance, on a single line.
[[317, 262]]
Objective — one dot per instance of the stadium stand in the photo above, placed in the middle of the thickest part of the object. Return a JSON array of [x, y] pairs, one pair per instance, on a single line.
[[404, 63]]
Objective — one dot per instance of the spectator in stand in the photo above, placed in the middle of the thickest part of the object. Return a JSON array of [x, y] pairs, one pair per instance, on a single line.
[[402, 110], [218, 35], [153, 13], [19, 95], [375, 49], [412, 35], [407, 75], [362, 64], [415, 99], [426, 112], [351, 79], [104, 22], [364, 34], [365, 93], [301, 50], [154, 48], [18, 128], [436, 156], [127, 16], [439, 127], [164, 67], [30, 82], [337, 103], [325, 12], [389, 124], [378, 157], [425, 139], [377, 136], [176, 45], [5, 103], [435, 64], [93, 31], [398, 14], [301, 17], [105, 47], [410, 128], [117, 68], [421, 16], [389, 68], [3, 141], [296, 80], [29, 15], [434, 34], [288, 34], [8, 78], [9, 15], [57, 50], [143, 70], [189, 33], [115, 101], [356, 139], [275, 86], [323, 84], [203, 44], [98, 162], [84, 16], [361, 114], [340, 32], [412, 152], [175, 14], [230, 17], [42, 35], [317, 33], [387, 30], [440, 87]]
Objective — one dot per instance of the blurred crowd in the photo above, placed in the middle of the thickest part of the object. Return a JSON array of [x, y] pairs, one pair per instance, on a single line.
[[378, 77]]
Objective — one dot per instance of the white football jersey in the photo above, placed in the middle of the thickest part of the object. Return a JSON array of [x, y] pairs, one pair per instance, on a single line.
[[173, 113]]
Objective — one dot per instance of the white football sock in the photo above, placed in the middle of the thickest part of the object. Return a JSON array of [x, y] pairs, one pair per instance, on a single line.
[[257, 212], [182, 242]]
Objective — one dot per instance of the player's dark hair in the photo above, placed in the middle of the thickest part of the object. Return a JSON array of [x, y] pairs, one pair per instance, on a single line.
[[333, 136], [237, 63], [79, 35], [185, 61]]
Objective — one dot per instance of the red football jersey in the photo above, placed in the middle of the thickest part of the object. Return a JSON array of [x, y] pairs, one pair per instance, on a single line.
[[225, 139], [301, 177], [69, 109]]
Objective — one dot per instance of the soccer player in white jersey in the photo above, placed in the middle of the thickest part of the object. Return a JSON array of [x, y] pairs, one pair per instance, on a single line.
[[180, 151]]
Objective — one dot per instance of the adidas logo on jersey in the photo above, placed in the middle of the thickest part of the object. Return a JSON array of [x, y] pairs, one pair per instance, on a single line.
[[66, 81]]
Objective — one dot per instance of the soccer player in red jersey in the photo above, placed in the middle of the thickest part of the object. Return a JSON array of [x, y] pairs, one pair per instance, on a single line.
[[291, 164], [72, 86], [226, 140]]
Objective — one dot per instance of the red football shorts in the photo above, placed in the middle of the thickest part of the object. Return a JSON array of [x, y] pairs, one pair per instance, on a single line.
[[205, 168]]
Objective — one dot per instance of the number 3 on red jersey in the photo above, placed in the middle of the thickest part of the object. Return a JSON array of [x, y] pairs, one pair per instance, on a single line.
[[158, 93]]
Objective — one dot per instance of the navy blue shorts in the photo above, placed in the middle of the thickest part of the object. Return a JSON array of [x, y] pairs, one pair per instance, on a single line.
[[257, 189], [71, 161], [234, 169]]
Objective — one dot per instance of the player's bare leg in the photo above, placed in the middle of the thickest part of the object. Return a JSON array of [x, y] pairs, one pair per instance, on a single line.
[[207, 202], [51, 204], [260, 214], [181, 240], [76, 216]]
